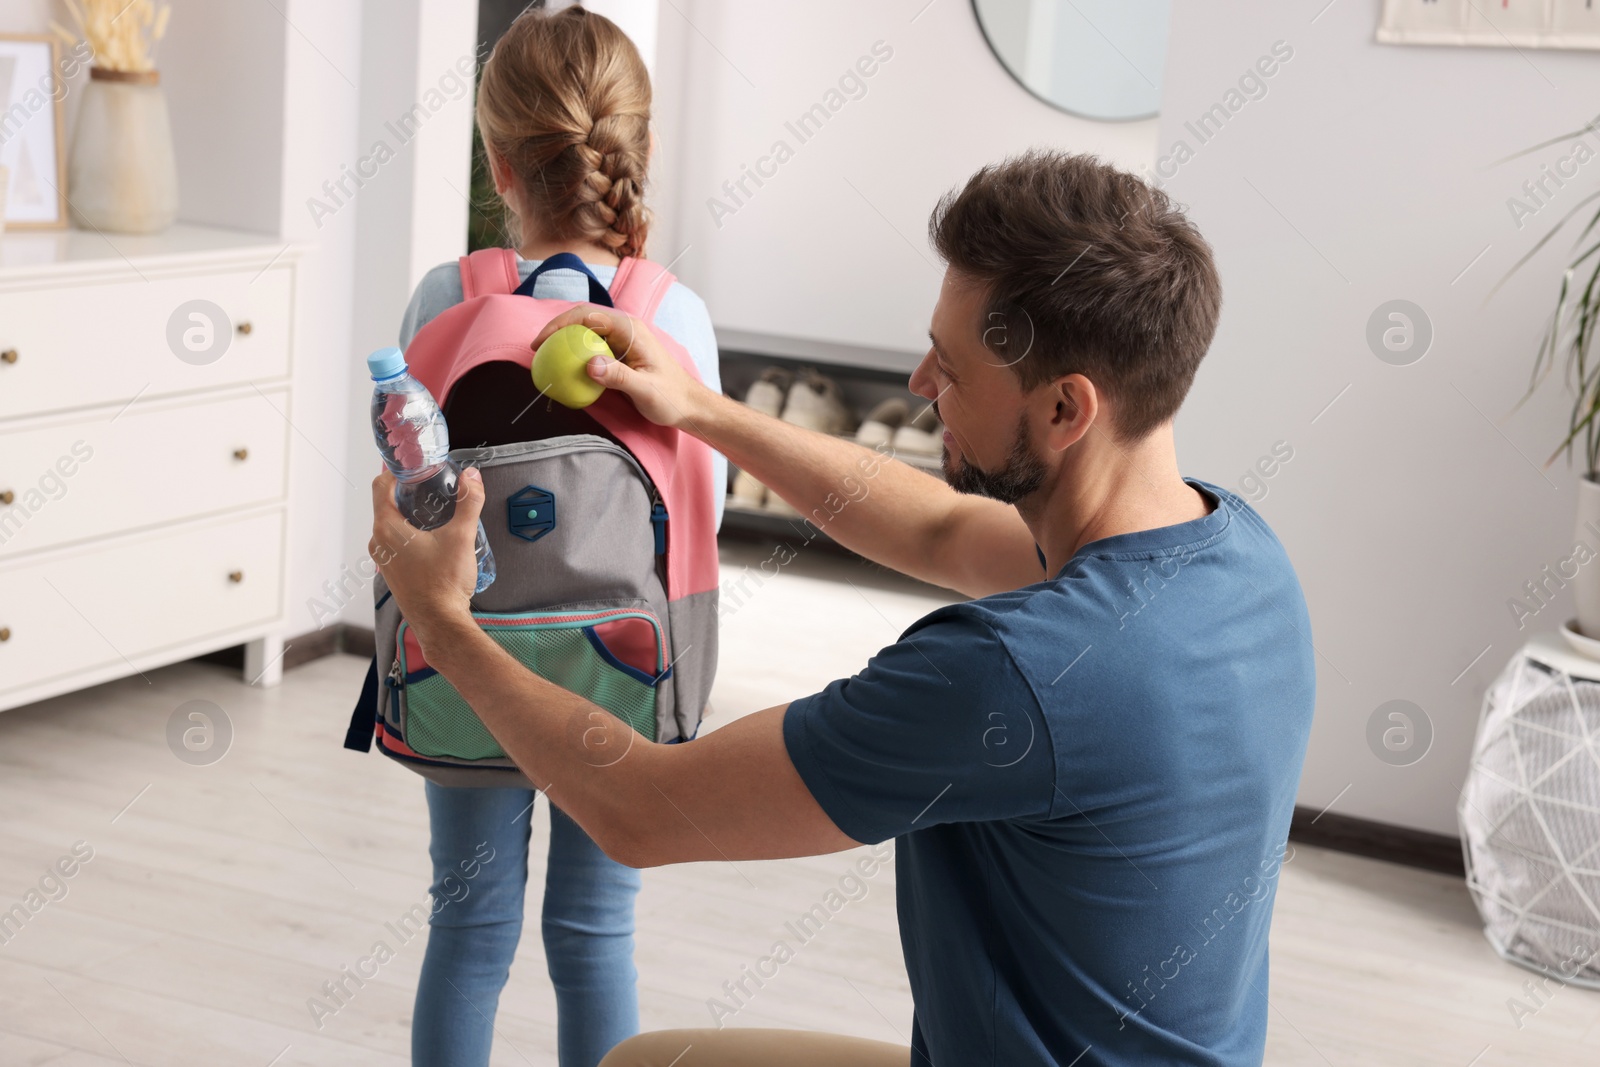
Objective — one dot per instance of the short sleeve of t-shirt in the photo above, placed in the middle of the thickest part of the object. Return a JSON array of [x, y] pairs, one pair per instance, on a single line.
[[939, 727]]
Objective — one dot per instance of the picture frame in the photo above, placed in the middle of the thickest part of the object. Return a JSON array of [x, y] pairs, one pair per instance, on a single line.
[[1510, 24], [33, 132]]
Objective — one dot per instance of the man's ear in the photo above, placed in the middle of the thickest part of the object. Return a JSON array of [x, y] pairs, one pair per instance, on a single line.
[[1075, 405]]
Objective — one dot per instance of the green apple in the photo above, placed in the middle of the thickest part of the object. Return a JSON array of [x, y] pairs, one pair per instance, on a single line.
[[559, 367]]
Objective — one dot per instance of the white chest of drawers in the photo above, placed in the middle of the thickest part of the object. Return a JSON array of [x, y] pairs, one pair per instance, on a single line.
[[145, 398]]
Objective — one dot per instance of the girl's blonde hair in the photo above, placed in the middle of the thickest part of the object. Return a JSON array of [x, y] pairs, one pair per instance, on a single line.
[[565, 100]]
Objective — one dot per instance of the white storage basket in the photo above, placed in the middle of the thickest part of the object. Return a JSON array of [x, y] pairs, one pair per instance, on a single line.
[[1530, 814]]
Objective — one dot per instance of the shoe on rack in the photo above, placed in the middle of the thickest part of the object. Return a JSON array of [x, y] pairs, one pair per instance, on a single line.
[[747, 491], [816, 402], [882, 421], [922, 434], [767, 393]]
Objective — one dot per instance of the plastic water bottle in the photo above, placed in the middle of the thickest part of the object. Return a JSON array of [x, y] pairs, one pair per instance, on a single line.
[[415, 444]]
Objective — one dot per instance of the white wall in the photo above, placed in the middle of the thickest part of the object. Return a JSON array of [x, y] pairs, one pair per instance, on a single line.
[[833, 246], [323, 75], [1366, 174], [224, 71]]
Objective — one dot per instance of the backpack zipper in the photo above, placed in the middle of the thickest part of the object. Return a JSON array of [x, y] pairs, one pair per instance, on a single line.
[[554, 446], [538, 619]]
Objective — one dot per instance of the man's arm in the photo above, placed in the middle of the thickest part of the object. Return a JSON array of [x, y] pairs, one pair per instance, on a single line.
[[732, 794], [881, 508]]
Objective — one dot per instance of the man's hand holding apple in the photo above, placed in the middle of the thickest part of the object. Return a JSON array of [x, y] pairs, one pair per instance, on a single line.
[[658, 386]]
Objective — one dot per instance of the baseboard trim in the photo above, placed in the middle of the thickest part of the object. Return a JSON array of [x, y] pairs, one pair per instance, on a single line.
[[357, 641], [310, 646], [1378, 840], [307, 647]]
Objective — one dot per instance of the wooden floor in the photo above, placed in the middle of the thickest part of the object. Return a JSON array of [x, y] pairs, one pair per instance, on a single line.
[[219, 899]]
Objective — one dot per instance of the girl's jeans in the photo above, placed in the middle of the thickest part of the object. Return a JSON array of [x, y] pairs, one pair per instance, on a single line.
[[587, 925]]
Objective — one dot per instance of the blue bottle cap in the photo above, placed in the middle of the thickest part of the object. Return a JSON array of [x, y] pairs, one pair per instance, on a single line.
[[386, 363]]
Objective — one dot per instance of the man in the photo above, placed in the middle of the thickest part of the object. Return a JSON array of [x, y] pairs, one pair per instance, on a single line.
[[1088, 769]]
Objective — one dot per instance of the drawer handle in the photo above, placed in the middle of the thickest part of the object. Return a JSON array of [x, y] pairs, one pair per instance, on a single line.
[[241, 453], [245, 328], [236, 576], [8, 356], [7, 496], [5, 633]]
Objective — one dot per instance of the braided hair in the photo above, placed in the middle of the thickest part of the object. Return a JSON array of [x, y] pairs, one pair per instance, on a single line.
[[565, 100]]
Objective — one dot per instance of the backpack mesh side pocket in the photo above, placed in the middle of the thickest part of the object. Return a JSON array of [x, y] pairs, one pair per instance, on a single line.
[[566, 648]]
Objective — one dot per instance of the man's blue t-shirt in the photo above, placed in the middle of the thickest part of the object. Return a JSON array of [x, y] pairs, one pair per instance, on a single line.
[[1090, 780]]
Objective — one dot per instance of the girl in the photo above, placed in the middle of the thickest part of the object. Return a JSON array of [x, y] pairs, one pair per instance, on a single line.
[[564, 111]]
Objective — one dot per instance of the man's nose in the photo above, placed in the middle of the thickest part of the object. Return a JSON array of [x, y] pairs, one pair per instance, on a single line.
[[922, 379]]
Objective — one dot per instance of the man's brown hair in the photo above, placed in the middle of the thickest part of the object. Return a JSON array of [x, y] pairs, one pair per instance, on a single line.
[[1088, 270]]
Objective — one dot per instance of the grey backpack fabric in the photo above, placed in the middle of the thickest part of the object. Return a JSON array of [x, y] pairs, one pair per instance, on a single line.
[[576, 528]]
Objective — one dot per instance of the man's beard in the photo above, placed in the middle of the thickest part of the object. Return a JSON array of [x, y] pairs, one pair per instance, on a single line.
[[1020, 476]]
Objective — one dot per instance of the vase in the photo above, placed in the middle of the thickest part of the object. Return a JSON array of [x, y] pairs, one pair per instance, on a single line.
[[1586, 588], [122, 176]]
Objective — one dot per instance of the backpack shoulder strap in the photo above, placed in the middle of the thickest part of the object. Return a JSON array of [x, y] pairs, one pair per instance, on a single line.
[[678, 465], [364, 718], [639, 286], [488, 271]]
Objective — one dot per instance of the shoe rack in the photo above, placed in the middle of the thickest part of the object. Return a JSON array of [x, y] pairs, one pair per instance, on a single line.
[[865, 379]]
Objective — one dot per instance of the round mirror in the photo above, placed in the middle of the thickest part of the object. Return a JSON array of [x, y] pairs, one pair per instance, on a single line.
[[1100, 59]]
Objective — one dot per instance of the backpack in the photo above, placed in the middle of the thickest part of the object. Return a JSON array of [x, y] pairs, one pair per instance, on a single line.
[[602, 526]]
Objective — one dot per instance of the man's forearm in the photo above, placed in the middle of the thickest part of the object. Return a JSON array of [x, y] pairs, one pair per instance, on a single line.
[[865, 499], [591, 764], [734, 794]]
